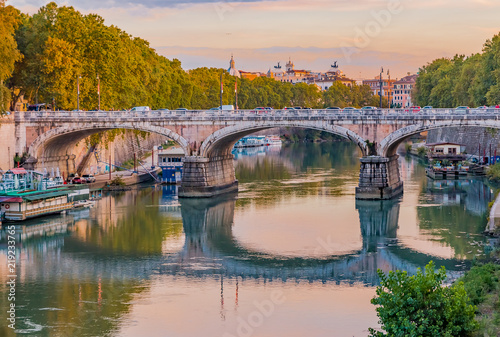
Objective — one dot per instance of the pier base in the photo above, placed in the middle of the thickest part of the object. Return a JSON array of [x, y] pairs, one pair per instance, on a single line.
[[207, 177], [379, 178]]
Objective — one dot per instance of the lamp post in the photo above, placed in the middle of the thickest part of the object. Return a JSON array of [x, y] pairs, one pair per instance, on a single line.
[[389, 89], [221, 91], [98, 94], [78, 92], [380, 92]]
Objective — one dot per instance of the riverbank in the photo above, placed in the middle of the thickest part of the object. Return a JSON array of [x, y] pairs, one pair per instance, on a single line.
[[482, 284]]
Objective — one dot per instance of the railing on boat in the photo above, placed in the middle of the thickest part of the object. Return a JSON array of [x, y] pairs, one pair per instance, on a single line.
[[22, 215]]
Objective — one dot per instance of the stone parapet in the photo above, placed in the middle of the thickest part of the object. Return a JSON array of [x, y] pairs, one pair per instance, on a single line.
[[379, 178]]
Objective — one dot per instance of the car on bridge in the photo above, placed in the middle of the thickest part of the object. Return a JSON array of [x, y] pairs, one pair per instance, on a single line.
[[481, 109], [427, 108], [462, 110], [77, 180], [140, 108], [349, 109], [259, 110], [413, 109]]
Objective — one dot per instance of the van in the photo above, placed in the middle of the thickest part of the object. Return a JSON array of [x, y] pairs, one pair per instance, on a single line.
[[227, 108], [140, 108]]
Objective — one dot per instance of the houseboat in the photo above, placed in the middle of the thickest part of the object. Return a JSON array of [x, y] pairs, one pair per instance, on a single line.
[[251, 141], [27, 194], [273, 140], [22, 205], [170, 162], [446, 161]]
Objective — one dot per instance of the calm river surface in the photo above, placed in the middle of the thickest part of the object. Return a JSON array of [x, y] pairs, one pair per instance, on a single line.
[[292, 254]]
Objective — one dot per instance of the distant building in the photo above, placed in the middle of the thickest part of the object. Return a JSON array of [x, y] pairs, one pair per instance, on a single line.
[[250, 74], [232, 69], [290, 74], [387, 87], [402, 91]]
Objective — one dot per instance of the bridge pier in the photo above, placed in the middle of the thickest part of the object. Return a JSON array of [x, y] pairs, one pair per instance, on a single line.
[[379, 178], [204, 177]]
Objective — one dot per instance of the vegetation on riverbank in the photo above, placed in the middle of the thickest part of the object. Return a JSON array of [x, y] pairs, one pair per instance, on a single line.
[[421, 305]]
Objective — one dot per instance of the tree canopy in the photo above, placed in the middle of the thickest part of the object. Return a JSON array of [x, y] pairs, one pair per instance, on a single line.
[[471, 81], [44, 54]]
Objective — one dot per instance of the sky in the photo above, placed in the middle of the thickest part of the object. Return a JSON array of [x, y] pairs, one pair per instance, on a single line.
[[363, 36]]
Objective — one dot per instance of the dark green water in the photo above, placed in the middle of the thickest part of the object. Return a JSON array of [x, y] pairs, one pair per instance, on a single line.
[[292, 254]]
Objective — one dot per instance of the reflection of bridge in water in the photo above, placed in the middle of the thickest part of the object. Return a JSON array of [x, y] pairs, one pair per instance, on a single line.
[[210, 249]]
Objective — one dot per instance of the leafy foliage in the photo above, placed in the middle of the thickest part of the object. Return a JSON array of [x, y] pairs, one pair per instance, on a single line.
[[470, 81], [420, 305], [9, 54], [493, 172], [59, 45]]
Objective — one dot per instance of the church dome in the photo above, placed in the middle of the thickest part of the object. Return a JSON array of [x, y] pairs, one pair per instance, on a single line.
[[232, 70]]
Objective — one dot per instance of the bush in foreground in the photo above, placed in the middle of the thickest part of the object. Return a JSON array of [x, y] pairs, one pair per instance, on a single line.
[[420, 305]]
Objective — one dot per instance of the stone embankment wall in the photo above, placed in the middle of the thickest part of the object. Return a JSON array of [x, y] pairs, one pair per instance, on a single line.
[[471, 137], [121, 149], [7, 142]]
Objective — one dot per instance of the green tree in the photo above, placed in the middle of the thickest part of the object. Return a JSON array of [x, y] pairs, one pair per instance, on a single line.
[[9, 54], [420, 305]]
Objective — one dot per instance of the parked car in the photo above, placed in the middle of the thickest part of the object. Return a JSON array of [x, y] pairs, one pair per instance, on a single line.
[[77, 180], [349, 109], [368, 108], [427, 108], [71, 177], [88, 178], [333, 108]]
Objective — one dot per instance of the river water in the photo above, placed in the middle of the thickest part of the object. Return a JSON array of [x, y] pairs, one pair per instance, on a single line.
[[292, 254]]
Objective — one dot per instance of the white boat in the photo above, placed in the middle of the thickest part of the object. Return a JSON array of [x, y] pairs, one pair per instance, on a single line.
[[273, 140], [251, 141]]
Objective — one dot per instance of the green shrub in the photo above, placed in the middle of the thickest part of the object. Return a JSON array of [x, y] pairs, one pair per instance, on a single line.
[[117, 181], [422, 151], [481, 280], [420, 305], [493, 172]]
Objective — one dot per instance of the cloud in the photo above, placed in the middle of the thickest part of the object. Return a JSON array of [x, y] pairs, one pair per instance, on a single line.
[[97, 4]]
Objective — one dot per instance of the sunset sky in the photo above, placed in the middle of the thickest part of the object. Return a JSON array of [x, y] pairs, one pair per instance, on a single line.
[[362, 35]]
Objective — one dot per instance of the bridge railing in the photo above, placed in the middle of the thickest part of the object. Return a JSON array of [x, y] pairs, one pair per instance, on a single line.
[[180, 114]]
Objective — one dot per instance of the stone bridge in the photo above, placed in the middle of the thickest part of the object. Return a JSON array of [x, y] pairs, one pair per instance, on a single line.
[[208, 138]]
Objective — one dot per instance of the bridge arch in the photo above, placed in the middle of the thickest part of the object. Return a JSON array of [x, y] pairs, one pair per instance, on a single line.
[[221, 142], [78, 132], [389, 145]]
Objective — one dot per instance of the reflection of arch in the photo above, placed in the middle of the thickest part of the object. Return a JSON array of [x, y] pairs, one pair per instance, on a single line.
[[389, 145], [221, 142], [208, 233], [58, 137]]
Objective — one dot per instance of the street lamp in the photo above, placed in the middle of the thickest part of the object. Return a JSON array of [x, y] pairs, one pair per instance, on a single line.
[[380, 92], [78, 92]]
